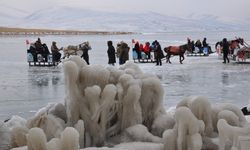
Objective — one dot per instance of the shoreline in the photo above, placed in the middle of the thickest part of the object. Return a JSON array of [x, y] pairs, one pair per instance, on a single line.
[[34, 31]]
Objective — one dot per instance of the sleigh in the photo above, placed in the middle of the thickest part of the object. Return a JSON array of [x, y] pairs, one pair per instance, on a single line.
[[203, 52], [144, 58], [41, 62], [242, 54]]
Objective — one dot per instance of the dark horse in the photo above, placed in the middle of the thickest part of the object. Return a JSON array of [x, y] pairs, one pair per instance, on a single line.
[[233, 44], [177, 50]]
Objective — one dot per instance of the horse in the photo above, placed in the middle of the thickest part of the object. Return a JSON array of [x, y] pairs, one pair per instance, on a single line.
[[177, 50], [233, 44], [76, 50]]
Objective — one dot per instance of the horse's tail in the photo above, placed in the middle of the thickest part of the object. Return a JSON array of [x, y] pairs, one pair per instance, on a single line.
[[218, 50], [218, 43]]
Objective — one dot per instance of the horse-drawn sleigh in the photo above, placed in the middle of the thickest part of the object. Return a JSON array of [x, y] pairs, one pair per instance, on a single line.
[[40, 59], [170, 51], [239, 50]]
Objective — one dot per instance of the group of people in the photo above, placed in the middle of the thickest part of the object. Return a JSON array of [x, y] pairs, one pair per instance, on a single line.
[[155, 47], [122, 52], [139, 48], [40, 51], [200, 47]]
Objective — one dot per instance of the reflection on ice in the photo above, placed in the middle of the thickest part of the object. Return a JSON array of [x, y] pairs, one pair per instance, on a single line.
[[225, 78], [45, 81]]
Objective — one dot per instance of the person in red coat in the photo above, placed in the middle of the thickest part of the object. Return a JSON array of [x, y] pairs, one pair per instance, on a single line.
[[147, 50]]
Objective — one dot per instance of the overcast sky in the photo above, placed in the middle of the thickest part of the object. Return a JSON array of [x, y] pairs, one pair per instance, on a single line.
[[225, 9]]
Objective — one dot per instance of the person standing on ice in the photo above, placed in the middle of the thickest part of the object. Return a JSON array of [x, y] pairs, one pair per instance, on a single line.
[[111, 53], [137, 49], [123, 52], [85, 49], [225, 49], [159, 53]]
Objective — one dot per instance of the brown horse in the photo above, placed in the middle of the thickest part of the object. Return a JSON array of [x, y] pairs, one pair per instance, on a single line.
[[233, 44], [176, 50]]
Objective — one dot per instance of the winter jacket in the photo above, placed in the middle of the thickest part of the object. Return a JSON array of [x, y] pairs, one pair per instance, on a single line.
[[111, 55], [147, 48]]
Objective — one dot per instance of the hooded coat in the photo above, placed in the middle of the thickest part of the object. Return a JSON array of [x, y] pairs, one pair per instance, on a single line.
[[111, 53]]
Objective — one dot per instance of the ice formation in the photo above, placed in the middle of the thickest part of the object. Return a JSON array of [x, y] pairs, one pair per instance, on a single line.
[[36, 139], [122, 108], [110, 100], [201, 108]]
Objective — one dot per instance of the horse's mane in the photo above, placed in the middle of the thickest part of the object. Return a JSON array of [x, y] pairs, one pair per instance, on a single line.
[[185, 47], [239, 40]]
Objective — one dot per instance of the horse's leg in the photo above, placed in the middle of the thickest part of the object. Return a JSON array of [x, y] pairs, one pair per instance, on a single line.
[[167, 58], [181, 58]]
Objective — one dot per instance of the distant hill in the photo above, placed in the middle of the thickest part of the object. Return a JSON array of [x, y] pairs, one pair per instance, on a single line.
[[69, 18], [23, 31]]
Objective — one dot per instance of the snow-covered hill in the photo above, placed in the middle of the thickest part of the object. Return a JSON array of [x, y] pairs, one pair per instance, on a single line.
[[64, 17]]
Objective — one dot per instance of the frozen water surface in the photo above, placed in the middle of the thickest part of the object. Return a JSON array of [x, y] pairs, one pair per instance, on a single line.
[[24, 89]]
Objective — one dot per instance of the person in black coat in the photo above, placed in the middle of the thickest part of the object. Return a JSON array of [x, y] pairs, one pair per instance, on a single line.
[[55, 52], [111, 53], [198, 44], [159, 53], [204, 43], [225, 49], [85, 52]]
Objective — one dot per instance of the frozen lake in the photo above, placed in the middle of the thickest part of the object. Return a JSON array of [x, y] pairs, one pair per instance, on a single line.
[[25, 89]]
